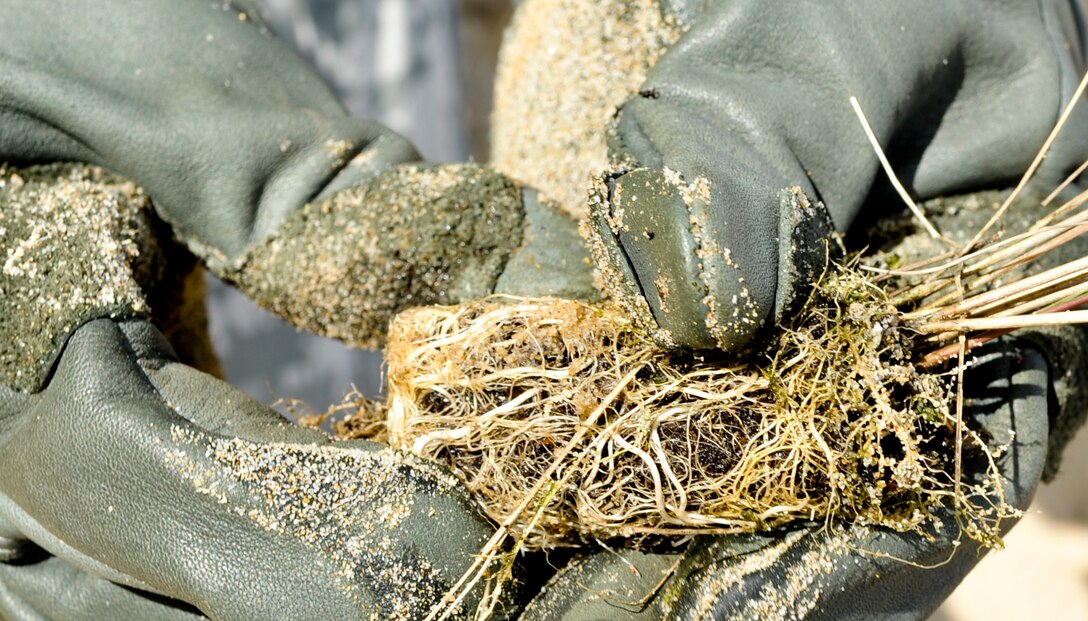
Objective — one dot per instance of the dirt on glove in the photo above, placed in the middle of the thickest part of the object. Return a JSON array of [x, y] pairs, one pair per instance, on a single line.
[[565, 68], [411, 236], [81, 244]]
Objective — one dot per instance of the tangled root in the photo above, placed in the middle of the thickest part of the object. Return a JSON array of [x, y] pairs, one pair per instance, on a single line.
[[834, 423]]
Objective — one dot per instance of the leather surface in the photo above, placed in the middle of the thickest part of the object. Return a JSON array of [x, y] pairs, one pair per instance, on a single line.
[[754, 99], [227, 129], [133, 468], [47, 588]]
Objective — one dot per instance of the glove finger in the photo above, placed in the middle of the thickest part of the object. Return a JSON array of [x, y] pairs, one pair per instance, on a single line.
[[107, 472], [753, 99], [412, 236], [815, 572], [228, 129], [52, 590]]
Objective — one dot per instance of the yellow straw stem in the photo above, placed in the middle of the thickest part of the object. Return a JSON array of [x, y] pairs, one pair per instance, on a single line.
[[1039, 157], [1004, 323], [918, 213]]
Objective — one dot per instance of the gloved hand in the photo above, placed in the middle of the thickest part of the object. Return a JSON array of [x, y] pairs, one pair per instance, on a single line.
[[700, 237], [149, 480], [232, 136], [746, 99], [131, 481]]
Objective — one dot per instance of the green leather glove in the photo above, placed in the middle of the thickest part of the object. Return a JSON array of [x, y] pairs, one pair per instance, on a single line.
[[132, 482], [152, 481], [1026, 394], [183, 105], [752, 99]]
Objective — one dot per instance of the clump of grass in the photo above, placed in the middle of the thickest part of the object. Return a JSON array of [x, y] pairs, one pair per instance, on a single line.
[[569, 425], [834, 422]]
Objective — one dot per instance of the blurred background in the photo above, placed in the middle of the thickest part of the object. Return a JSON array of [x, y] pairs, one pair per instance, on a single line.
[[425, 69]]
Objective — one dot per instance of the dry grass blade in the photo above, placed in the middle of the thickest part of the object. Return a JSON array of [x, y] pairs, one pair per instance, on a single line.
[[1073, 102], [1068, 274], [1065, 183], [915, 209], [1006, 323], [975, 274]]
